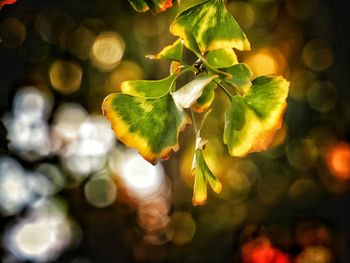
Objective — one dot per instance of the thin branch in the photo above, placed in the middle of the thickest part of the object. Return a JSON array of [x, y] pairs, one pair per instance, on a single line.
[[223, 89], [203, 120], [237, 90], [194, 123]]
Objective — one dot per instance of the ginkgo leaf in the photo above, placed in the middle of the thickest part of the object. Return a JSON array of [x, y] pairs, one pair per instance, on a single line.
[[6, 2], [171, 52], [203, 175], [155, 5], [151, 125], [205, 100], [188, 95], [148, 88], [211, 25], [241, 76], [222, 58], [252, 121]]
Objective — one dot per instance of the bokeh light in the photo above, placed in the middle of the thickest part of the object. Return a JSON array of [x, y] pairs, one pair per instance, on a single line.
[[81, 41], [318, 54], [302, 154], [238, 184], [301, 9], [181, 228], [126, 70], [41, 235], [300, 83], [145, 188], [107, 51], [15, 192], [315, 254], [20, 187], [27, 128], [338, 160], [256, 247], [65, 76], [54, 175], [266, 61], [40, 185], [141, 178], [261, 251], [243, 13], [54, 26], [322, 96], [303, 188], [32, 102], [239, 180], [67, 120], [153, 215], [88, 152], [266, 12], [100, 191], [29, 137], [12, 32], [312, 233], [153, 218]]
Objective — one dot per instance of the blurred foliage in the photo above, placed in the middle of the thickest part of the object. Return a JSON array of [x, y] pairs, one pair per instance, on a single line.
[[69, 192]]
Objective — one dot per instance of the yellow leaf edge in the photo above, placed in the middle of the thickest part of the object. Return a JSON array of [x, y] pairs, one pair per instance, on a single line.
[[122, 132]]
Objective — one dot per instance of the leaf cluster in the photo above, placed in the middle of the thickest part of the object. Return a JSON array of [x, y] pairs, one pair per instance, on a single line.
[[149, 115]]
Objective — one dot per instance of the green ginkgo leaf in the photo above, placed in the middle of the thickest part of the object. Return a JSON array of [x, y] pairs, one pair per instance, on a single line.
[[152, 125], [251, 121], [148, 88], [171, 52], [155, 5], [241, 76], [188, 94], [211, 25], [205, 100], [203, 175], [222, 58]]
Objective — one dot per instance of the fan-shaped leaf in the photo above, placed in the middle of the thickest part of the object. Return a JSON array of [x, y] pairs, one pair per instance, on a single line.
[[151, 125], [252, 121], [211, 25]]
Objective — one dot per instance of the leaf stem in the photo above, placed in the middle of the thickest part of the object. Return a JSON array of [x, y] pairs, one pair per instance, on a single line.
[[203, 120], [196, 131], [223, 89], [237, 90], [186, 68]]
